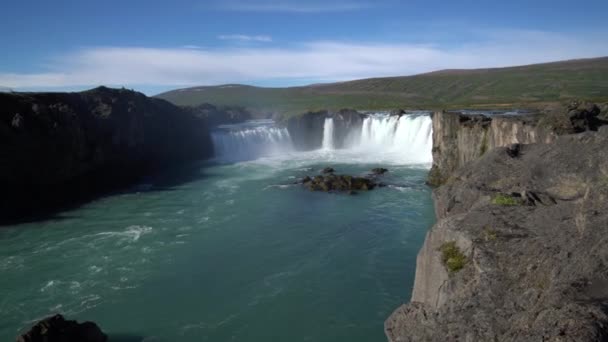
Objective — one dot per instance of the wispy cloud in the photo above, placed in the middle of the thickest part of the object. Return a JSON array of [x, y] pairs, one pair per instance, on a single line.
[[329, 61], [292, 6], [192, 47], [246, 38]]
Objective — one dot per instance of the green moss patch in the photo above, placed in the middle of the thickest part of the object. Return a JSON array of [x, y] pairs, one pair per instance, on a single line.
[[452, 257], [506, 200]]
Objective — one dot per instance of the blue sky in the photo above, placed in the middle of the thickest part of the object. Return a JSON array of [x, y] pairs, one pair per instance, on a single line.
[[159, 45]]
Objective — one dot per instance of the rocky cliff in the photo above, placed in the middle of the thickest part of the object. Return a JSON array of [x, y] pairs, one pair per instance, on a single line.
[[215, 116], [518, 252], [60, 148], [459, 139], [306, 130]]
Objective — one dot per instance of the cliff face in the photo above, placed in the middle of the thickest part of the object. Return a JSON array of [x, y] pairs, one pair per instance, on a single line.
[[459, 139], [306, 130], [56, 148], [215, 116], [518, 252]]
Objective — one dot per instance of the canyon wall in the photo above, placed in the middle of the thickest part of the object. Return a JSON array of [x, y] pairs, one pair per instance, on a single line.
[[60, 148], [459, 139], [518, 251]]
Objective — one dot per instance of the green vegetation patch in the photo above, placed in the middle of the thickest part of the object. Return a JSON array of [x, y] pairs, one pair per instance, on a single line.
[[506, 200], [452, 257]]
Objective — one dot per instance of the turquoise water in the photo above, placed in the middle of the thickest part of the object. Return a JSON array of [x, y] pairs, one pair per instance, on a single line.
[[231, 254]]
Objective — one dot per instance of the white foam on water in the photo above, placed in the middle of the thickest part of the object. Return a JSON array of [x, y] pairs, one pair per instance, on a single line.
[[130, 234]]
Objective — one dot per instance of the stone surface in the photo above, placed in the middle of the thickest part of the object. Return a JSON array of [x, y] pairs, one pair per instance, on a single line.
[[58, 329], [330, 182], [306, 130], [61, 148], [379, 171], [459, 138], [215, 116], [536, 270]]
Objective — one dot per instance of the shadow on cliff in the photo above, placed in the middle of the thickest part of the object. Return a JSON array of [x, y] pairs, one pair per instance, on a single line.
[[57, 203]]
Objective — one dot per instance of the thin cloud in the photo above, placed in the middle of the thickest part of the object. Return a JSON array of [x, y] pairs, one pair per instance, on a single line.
[[192, 47], [245, 38], [293, 6], [328, 61]]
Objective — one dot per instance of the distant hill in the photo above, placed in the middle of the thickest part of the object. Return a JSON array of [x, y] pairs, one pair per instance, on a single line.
[[5, 89], [498, 87]]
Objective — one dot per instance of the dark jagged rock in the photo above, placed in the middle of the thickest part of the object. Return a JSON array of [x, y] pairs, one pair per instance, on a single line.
[[306, 130], [398, 112], [345, 122], [575, 117], [63, 148], [58, 329], [340, 183], [530, 230], [379, 171], [328, 170], [215, 116], [584, 116]]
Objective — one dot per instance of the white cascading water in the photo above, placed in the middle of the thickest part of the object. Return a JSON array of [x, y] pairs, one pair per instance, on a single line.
[[250, 140], [328, 134], [381, 138], [405, 140]]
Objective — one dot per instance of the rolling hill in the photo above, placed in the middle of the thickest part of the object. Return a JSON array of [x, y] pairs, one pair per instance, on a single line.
[[521, 86]]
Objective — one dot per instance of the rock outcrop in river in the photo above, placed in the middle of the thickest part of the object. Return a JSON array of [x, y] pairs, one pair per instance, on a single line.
[[60, 148], [58, 329], [519, 250]]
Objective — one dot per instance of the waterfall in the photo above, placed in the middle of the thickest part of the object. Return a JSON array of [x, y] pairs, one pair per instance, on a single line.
[[380, 138], [250, 140], [408, 137], [328, 134]]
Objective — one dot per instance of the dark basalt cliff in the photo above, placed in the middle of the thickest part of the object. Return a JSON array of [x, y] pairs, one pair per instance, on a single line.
[[215, 116], [61, 148], [519, 250], [306, 130]]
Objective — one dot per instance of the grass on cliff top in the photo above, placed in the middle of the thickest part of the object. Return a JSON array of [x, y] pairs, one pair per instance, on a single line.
[[522, 86], [452, 257]]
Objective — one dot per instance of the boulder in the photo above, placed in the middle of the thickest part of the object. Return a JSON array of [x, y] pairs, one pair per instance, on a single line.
[[584, 117], [58, 329], [379, 171], [340, 183], [328, 170]]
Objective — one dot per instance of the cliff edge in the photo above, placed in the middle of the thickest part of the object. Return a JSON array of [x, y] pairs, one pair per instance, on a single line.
[[519, 250], [61, 148]]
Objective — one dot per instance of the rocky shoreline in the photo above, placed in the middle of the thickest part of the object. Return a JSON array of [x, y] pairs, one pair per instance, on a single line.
[[518, 252]]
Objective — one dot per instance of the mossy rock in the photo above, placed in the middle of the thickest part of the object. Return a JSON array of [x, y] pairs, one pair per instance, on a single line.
[[506, 200], [452, 257]]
